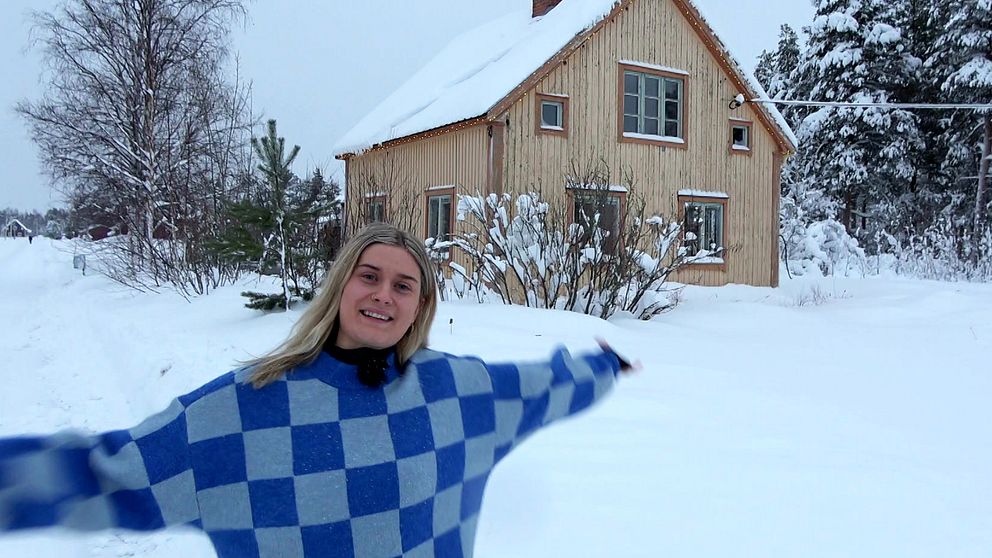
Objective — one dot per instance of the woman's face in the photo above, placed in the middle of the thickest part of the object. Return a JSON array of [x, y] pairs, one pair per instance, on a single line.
[[380, 300]]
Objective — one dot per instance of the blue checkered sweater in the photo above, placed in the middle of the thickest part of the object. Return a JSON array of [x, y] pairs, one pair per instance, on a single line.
[[315, 464]]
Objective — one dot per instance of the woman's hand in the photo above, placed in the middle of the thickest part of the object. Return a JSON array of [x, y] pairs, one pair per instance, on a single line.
[[626, 366]]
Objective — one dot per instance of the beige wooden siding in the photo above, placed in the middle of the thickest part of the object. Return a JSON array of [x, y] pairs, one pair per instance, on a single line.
[[406, 171], [654, 32]]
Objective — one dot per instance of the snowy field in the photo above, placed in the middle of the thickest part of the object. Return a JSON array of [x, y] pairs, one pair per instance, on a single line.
[[829, 417]]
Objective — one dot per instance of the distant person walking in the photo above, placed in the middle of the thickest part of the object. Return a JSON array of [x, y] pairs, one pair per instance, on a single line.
[[351, 439]]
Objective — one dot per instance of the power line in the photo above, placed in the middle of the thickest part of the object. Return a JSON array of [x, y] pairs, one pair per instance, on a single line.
[[928, 106]]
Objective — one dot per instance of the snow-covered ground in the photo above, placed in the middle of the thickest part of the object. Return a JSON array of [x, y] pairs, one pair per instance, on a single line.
[[829, 417]]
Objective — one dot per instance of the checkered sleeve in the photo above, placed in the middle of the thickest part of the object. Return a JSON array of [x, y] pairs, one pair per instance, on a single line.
[[531, 395], [138, 478]]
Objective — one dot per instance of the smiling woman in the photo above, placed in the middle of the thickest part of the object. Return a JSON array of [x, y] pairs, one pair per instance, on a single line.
[[380, 300], [351, 439]]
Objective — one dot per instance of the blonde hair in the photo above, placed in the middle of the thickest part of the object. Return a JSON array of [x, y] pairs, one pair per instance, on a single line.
[[308, 336]]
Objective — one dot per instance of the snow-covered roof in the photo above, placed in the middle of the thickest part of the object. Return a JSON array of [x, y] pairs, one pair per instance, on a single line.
[[481, 67], [474, 72], [18, 223]]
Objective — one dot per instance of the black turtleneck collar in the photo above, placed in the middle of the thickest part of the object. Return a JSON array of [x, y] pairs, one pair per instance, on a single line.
[[371, 363]]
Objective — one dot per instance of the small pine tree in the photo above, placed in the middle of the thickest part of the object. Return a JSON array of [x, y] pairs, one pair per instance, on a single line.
[[275, 170], [259, 226]]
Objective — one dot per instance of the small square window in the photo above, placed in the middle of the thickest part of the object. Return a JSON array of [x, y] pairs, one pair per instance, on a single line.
[[740, 137], [551, 113]]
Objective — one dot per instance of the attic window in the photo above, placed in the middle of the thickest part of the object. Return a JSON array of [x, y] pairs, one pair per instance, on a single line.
[[552, 114], [740, 137], [652, 104]]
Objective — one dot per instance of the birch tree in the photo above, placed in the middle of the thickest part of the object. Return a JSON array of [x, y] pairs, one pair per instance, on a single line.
[[139, 119]]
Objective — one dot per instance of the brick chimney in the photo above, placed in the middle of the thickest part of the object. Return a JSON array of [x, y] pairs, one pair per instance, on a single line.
[[542, 7]]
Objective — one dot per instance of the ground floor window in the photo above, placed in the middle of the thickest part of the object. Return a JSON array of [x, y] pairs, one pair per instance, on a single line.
[[439, 216], [703, 222], [593, 209], [375, 210]]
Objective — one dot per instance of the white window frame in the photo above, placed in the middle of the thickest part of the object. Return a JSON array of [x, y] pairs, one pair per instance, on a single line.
[[560, 120], [709, 250], [745, 147], [440, 200], [560, 102]]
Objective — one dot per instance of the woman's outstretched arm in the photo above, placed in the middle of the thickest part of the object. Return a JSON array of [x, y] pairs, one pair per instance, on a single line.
[[531, 395], [140, 478]]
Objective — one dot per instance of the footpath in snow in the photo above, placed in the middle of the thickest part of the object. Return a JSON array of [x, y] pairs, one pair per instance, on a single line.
[[829, 417]]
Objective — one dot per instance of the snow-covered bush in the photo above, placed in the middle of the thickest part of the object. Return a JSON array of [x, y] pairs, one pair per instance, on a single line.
[[812, 240], [822, 246], [942, 252], [527, 251]]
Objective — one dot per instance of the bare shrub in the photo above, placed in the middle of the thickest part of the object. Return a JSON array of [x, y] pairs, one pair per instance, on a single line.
[[585, 252]]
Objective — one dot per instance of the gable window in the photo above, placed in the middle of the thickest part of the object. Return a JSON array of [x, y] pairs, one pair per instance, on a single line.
[[552, 114], [740, 137], [703, 226], [439, 214], [652, 105], [600, 209]]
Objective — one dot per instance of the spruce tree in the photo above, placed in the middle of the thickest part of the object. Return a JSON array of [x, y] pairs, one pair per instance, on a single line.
[[962, 65], [925, 190], [765, 69], [317, 204], [860, 156]]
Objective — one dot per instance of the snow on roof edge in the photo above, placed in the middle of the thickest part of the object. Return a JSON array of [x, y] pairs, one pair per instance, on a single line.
[[374, 129], [748, 79], [520, 46]]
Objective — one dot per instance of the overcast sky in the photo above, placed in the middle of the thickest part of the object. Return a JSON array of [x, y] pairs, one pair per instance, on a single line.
[[317, 66]]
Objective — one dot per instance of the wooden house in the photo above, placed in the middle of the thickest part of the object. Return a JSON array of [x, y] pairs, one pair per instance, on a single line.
[[518, 104], [15, 228]]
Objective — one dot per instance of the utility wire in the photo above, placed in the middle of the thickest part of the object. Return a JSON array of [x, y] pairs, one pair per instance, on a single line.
[[929, 106]]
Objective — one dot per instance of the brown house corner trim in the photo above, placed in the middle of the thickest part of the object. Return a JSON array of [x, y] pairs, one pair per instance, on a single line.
[[495, 156], [778, 160]]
